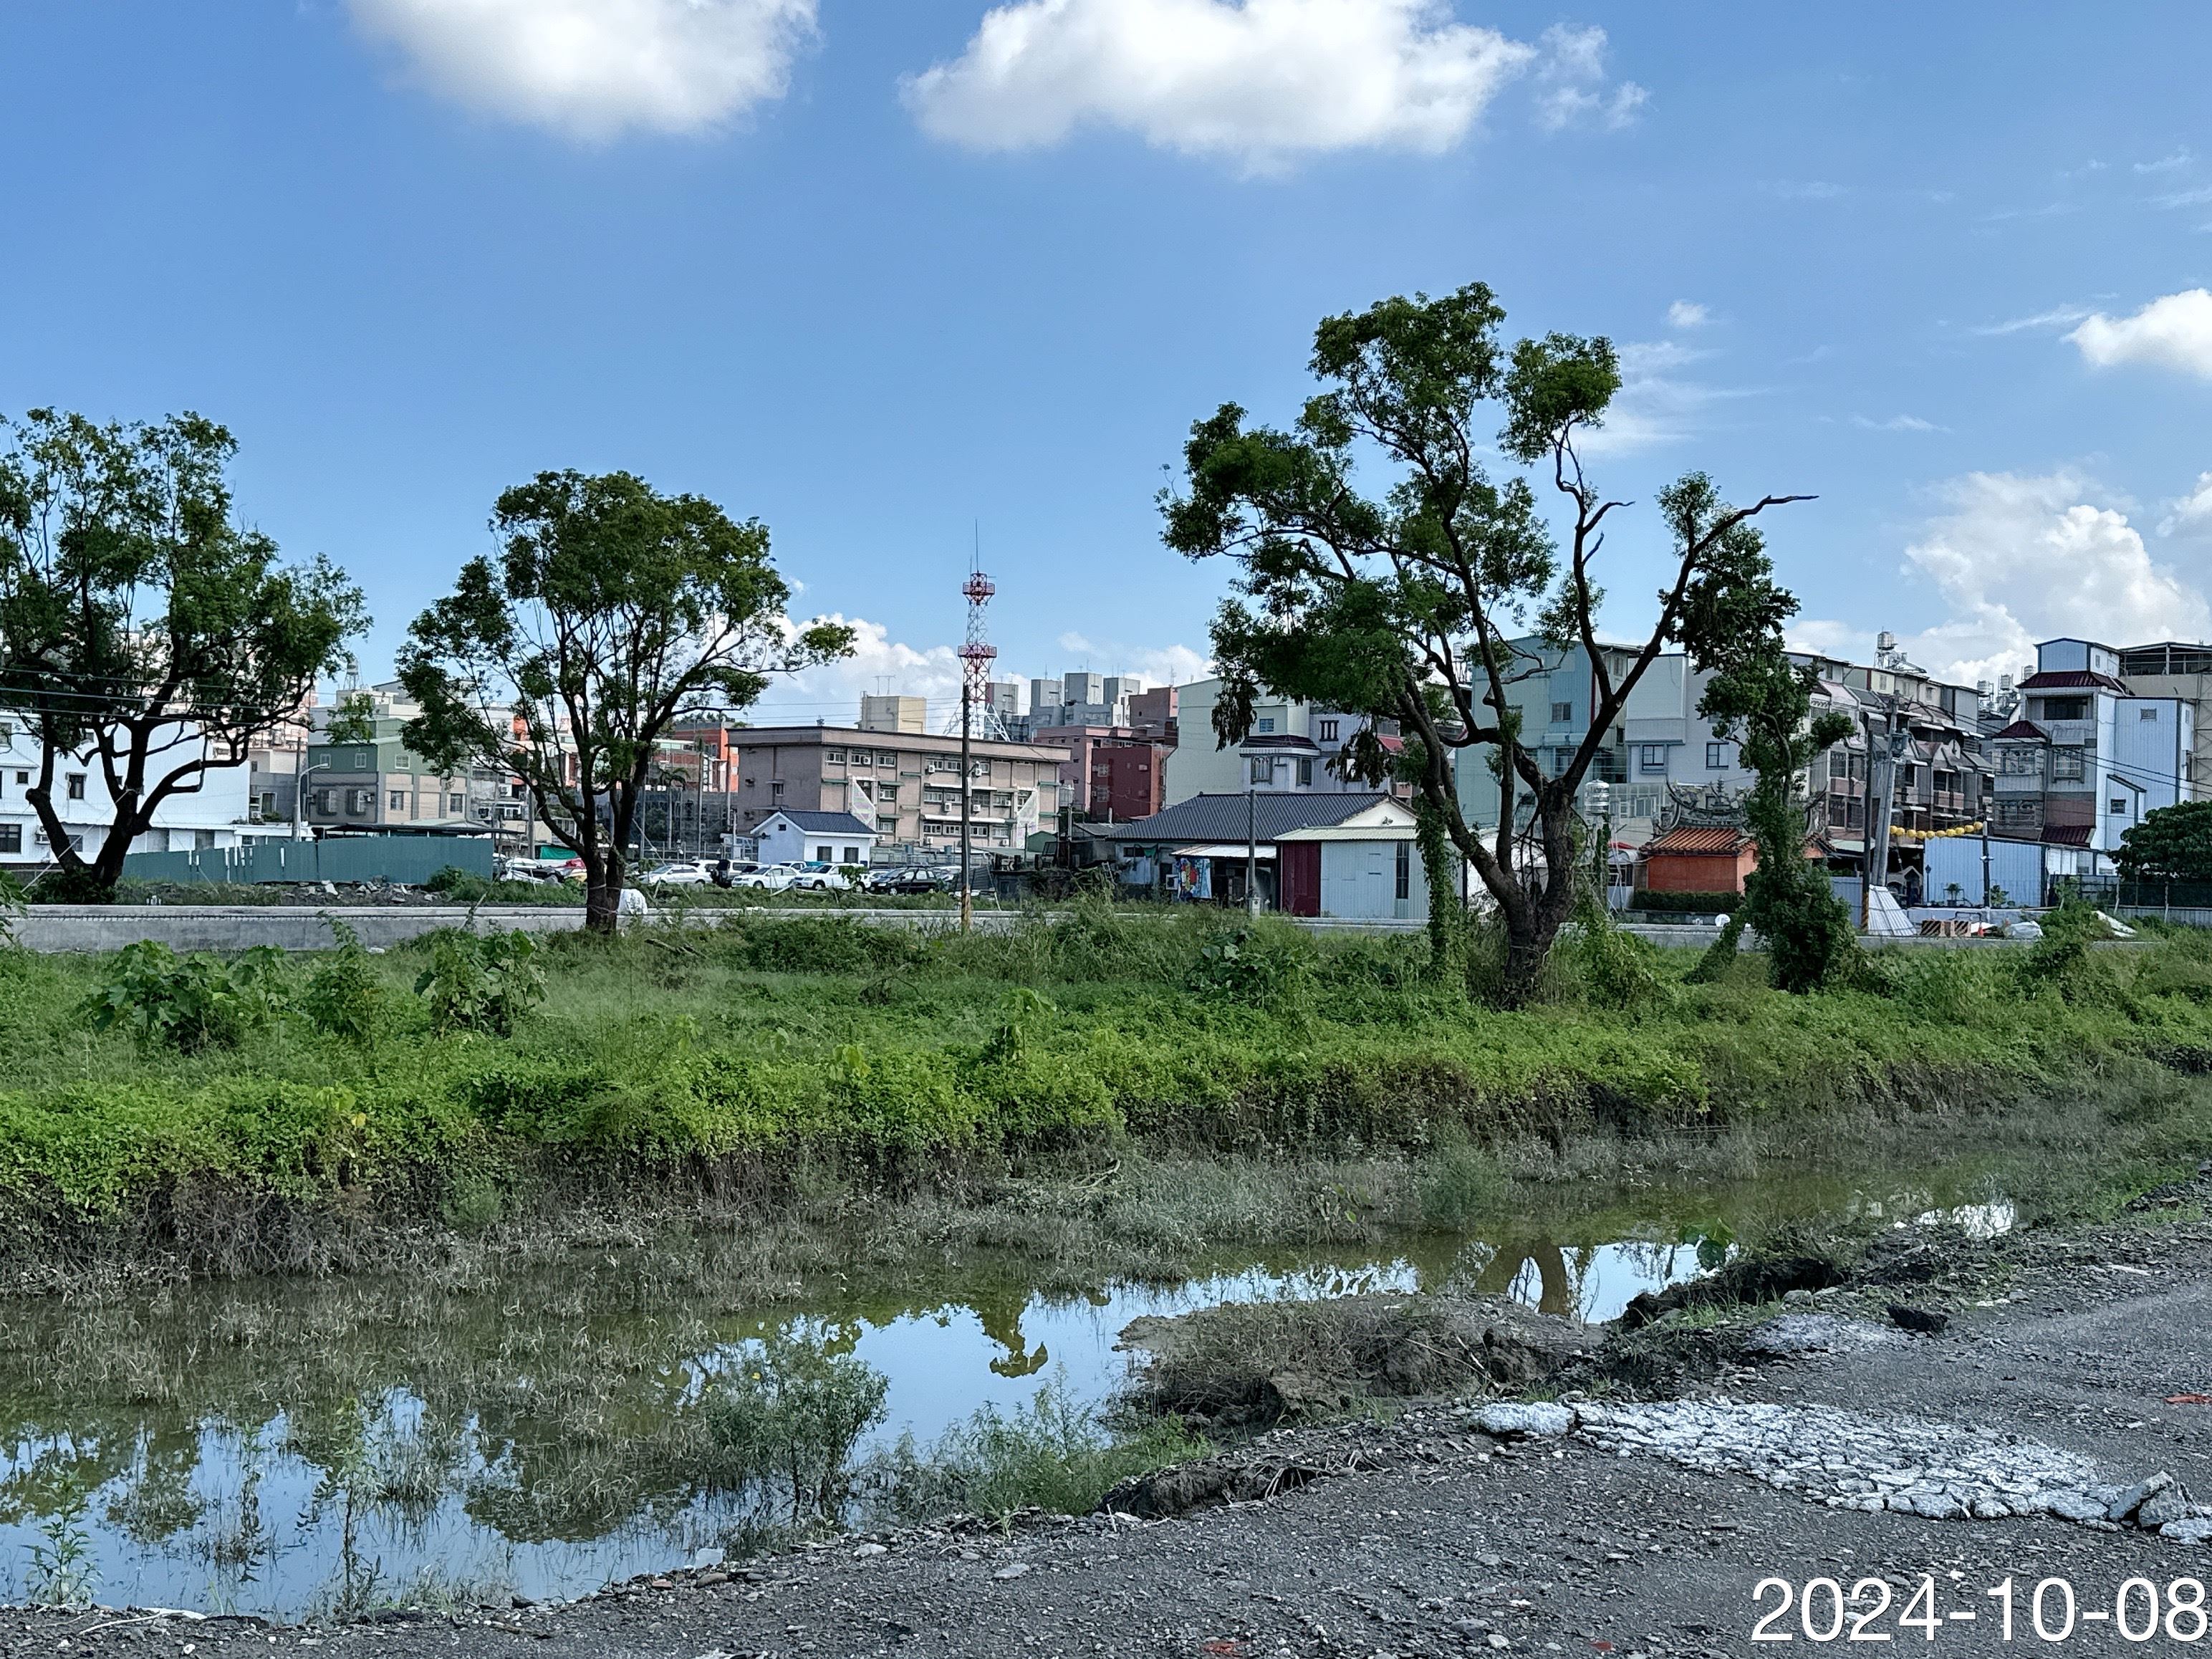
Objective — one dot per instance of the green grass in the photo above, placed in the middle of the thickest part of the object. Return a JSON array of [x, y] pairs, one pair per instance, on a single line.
[[768, 1052]]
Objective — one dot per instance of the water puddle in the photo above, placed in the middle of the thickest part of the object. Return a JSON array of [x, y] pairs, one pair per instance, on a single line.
[[295, 1451]]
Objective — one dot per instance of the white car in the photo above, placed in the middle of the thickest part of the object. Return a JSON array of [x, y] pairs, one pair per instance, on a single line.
[[816, 876], [677, 875], [768, 877]]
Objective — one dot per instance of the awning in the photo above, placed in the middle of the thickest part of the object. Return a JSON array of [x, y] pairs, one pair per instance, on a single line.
[[1224, 850]]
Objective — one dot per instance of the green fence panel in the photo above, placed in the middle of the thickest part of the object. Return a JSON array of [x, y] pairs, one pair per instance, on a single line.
[[406, 861]]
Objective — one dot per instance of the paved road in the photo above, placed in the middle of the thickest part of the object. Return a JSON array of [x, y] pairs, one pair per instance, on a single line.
[[1459, 1546]]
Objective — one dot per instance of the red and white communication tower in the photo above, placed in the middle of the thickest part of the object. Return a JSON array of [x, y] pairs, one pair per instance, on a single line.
[[977, 718]]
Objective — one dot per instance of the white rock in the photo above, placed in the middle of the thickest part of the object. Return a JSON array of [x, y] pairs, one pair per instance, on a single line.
[[1541, 1420]]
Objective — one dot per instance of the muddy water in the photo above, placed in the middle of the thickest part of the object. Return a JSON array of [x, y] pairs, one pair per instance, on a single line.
[[291, 1452]]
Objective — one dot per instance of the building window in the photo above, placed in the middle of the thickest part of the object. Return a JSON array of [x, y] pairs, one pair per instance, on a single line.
[[1267, 725], [885, 758], [1329, 731], [822, 854], [1263, 770], [2119, 809], [77, 785], [1404, 871], [397, 799], [2066, 709], [2066, 765], [835, 754], [1651, 759], [1563, 714], [1305, 773], [1716, 757], [2149, 714], [2015, 762], [11, 837], [776, 791], [852, 855], [457, 803]]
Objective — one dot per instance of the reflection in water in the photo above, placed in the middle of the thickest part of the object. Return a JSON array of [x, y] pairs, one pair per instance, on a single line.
[[293, 1449]]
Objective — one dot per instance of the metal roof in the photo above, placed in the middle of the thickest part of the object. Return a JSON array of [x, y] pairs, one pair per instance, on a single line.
[[1718, 840], [830, 824], [2026, 729], [1224, 817], [2072, 679]]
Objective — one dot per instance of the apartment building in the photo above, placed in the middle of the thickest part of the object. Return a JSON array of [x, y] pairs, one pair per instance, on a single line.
[[2183, 671], [215, 814], [379, 784], [2088, 758], [1661, 749], [905, 785], [1112, 773], [1293, 748]]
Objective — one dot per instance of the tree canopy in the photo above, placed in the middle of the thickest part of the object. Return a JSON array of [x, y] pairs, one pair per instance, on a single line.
[[143, 629], [1426, 601], [609, 614], [2172, 843]]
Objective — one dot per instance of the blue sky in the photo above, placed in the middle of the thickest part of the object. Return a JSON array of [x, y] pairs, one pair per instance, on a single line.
[[874, 273]]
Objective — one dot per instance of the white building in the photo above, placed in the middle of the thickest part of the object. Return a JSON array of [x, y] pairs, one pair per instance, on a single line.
[[2087, 759], [795, 837], [215, 814], [1292, 748]]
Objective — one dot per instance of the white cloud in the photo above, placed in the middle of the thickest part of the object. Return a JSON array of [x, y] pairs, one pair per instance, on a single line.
[[1571, 83], [1897, 423], [1655, 403], [2174, 331], [1169, 665], [2180, 158], [2021, 558], [2182, 198], [1261, 82], [2057, 317], [2189, 514], [879, 662], [1685, 313], [593, 69], [1805, 189]]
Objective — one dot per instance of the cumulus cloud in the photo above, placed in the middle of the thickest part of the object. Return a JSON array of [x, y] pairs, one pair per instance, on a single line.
[[2189, 514], [2174, 331], [879, 662], [1261, 82], [1684, 314], [595, 69], [1571, 89], [2018, 558], [1165, 665]]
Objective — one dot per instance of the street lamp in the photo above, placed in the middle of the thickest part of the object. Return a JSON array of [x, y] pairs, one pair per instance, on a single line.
[[299, 796]]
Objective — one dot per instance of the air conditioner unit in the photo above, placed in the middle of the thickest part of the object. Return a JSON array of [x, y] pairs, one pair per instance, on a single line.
[[361, 800]]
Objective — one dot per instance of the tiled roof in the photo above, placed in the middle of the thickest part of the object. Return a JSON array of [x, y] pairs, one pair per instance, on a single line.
[[2067, 835], [1280, 741], [1224, 818], [1698, 839], [2025, 729], [2072, 679]]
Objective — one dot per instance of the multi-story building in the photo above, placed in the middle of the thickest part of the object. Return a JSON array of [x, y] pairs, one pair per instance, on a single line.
[[2183, 671], [894, 713], [1661, 749], [1293, 747], [906, 785], [214, 814], [378, 785], [1081, 698], [1154, 712], [2087, 759], [1113, 773]]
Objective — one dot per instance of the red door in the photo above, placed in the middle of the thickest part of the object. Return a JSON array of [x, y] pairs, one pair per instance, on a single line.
[[1297, 864]]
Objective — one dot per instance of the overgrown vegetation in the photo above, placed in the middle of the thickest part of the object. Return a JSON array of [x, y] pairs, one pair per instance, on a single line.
[[270, 1113]]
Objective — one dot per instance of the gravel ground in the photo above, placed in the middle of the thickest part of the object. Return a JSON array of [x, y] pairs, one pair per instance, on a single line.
[[1427, 1536]]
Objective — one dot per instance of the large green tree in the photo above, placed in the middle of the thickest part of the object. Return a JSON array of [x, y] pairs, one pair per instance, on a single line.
[[143, 630], [1404, 602], [610, 613], [2172, 843]]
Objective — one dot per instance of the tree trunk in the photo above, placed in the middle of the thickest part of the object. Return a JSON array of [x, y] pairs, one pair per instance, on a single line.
[[1529, 938], [603, 905], [1447, 906]]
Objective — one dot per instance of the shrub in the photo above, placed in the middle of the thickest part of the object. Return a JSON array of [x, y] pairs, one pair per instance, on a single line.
[[343, 992], [188, 1004], [481, 984], [792, 1413]]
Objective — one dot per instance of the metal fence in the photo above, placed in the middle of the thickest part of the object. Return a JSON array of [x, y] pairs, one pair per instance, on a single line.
[[405, 860]]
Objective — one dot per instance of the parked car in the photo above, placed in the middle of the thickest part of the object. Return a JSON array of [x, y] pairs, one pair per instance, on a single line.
[[913, 878], [681, 873], [767, 878], [816, 876]]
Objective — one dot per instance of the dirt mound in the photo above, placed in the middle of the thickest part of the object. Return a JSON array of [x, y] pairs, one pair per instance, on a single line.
[[1269, 1362]]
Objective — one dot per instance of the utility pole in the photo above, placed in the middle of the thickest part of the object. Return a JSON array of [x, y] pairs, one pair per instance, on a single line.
[[1251, 845], [967, 797]]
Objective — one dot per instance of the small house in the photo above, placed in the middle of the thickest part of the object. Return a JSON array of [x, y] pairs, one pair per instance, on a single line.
[[799, 837]]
